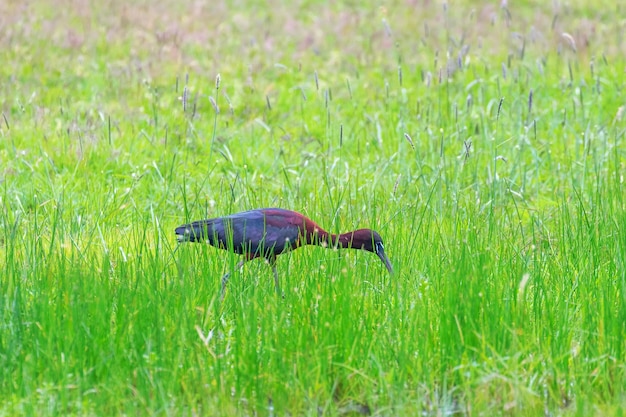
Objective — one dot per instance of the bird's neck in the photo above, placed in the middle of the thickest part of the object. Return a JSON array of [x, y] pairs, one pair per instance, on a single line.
[[330, 240]]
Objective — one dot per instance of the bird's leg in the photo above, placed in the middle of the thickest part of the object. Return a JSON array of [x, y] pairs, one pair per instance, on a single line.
[[224, 282], [272, 262], [276, 282], [227, 276]]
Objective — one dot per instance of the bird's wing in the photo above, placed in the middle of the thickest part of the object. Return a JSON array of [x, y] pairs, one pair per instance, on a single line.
[[263, 232], [282, 234], [266, 232]]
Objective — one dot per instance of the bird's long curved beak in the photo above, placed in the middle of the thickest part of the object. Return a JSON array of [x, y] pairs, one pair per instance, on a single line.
[[381, 254]]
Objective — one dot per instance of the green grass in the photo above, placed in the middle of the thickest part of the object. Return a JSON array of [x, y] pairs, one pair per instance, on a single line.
[[485, 146]]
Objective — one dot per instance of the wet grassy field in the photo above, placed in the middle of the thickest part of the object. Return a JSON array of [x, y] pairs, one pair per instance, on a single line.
[[483, 141]]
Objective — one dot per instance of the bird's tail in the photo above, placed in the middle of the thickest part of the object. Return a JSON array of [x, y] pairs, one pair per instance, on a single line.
[[187, 233], [194, 232], [182, 233]]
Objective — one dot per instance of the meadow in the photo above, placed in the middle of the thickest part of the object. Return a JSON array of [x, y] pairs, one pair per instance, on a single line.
[[484, 141]]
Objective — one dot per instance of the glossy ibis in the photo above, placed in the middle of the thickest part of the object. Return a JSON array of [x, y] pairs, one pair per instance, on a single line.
[[271, 231]]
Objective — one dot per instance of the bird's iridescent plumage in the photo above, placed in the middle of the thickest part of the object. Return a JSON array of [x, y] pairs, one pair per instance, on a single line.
[[272, 231]]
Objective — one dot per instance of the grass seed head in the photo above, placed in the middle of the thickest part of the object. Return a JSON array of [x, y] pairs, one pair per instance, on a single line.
[[408, 138], [214, 104], [570, 40]]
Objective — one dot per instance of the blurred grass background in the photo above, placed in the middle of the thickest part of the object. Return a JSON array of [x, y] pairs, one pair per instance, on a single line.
[[483, 140]]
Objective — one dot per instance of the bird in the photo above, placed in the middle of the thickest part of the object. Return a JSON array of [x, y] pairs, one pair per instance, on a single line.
[[269, 232]]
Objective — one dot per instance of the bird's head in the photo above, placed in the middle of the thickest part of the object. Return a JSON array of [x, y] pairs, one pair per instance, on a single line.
[[370, 240]]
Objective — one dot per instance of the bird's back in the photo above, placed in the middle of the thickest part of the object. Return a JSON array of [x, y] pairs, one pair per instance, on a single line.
[[260, 232]]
